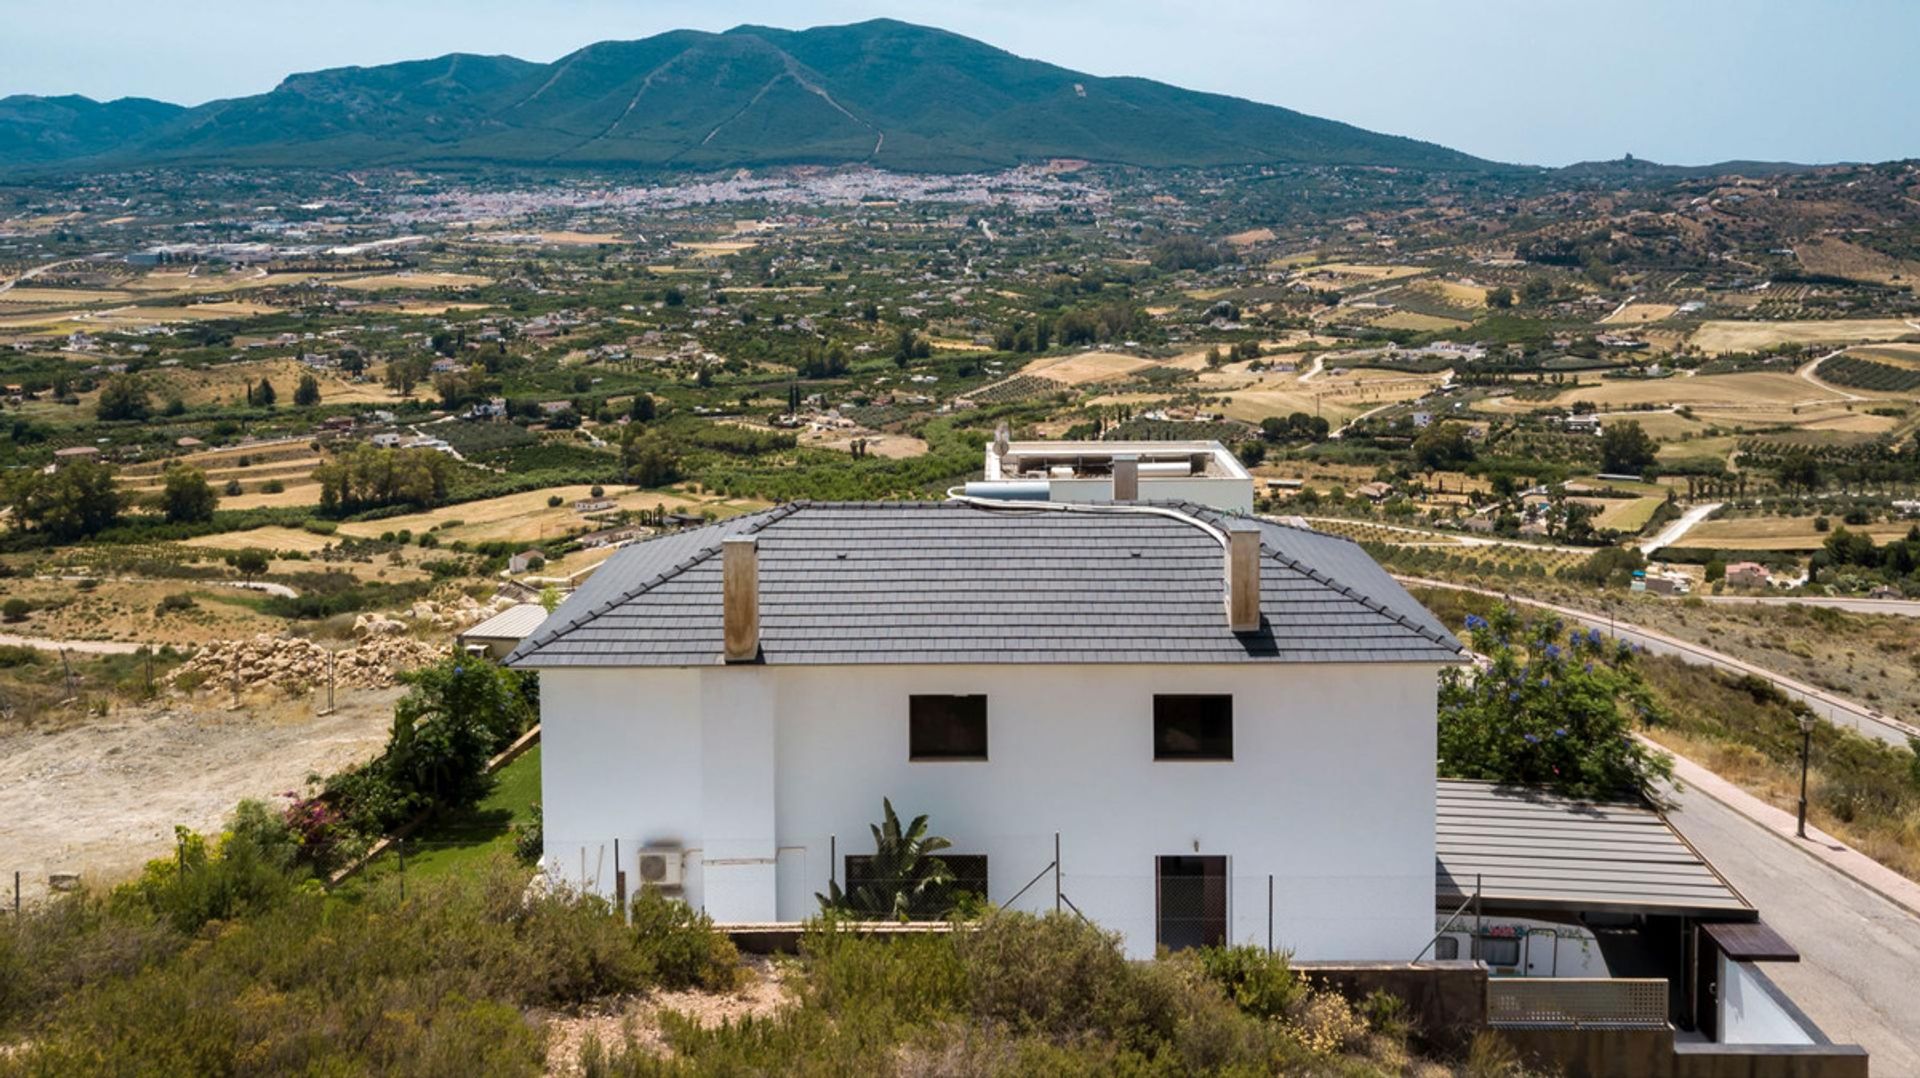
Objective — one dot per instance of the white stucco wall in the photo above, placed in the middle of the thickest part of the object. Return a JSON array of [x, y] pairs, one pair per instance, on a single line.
[[1331, 788], [1750, 1010]]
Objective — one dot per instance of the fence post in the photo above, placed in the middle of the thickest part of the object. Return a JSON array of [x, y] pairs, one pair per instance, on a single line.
[[16, 894], [1056, 872], [1269, 913], [400, 848], [833, 861], [619, 880]]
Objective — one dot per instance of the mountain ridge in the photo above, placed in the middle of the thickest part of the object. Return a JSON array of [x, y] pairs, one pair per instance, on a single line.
[[882, 92]]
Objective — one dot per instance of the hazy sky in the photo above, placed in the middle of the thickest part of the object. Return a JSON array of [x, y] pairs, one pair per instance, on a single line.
[[1541, 81]]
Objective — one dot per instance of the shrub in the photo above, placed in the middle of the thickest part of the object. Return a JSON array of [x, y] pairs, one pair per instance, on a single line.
[[174, 603], [15, 610], [680, 944], [1259, 983], [554, 501]]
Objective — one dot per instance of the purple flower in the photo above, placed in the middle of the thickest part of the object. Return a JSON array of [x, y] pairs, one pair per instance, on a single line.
[[1512, 696], [1559, 731], [1532, 739], [1593, 636], [1589, 666], [1553, 651], [1475, 621], [1545, 681]]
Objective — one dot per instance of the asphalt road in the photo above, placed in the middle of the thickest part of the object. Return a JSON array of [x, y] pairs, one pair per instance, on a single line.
[[1835, 709], [1859, 953]]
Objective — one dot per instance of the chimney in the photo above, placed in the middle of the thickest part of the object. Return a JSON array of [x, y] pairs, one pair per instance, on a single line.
[[1126, 478], [1243, 576], [740, 596]]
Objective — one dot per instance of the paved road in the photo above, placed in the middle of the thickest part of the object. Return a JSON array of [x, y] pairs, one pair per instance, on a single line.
[[1673, 532], [1835, 709], [1860, 954], [78, 647]]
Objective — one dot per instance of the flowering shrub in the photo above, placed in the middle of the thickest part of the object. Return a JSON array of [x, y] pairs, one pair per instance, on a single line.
[[1549, 708]]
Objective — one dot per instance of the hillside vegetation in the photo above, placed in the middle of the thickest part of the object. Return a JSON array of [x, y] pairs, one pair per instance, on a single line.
[[882, 92]]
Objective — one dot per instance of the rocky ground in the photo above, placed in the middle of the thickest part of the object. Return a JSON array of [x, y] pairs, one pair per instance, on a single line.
[[99, 798]]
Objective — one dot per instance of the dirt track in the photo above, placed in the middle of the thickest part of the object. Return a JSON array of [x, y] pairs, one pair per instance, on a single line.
[[102, 796]]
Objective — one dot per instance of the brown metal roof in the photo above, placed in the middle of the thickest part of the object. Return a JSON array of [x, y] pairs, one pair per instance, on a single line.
[[1531, 850], [1750, 941]]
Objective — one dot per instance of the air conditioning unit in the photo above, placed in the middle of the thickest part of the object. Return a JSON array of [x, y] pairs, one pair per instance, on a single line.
[[660, 867]]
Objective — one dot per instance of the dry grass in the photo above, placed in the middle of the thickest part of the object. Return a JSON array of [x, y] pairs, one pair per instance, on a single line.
[[1833, 257], [411, 279], [1251, 237], [117, 609], [1895, 355], [1718, 338], [1089, 367], [1361, 272], [1634, 314], [880, 444], [28, 295], [718, 248], [271, 537], [527, 518], [1416, 321], [1781, 533]]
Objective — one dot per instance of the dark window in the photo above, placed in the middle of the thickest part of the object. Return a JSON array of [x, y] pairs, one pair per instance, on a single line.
[[1192, 902], [1193, 727], [1497, 952], [875, 895], [947, 728], [1446, 948]]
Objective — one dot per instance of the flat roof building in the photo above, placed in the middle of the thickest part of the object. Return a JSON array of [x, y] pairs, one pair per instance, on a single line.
[[1202, 472]]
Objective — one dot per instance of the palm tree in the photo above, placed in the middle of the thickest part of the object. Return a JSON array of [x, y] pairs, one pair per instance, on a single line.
[[903, 877]]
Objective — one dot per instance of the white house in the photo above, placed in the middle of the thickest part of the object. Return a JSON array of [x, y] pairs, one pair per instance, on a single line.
[[1195, 709]]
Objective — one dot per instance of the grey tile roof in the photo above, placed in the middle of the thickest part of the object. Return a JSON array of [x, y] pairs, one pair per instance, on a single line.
[[950, 582]]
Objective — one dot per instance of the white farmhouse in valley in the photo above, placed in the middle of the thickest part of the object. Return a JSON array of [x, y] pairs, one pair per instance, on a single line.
[[1195, 709]]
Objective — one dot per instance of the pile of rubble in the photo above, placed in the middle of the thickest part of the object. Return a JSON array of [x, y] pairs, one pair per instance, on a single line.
[[385, 647], [293, 665]]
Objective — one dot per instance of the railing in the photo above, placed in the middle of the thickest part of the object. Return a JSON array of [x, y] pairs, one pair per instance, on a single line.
[[1577, 1003]]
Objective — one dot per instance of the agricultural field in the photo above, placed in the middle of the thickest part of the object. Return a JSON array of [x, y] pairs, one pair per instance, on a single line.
[[1831, 257], [1720, 337], [1090, 367], [406, 279], [1638, 314], [527, 518], [1781, 533]]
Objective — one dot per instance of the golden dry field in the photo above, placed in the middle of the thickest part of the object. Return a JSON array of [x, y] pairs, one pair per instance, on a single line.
[[1720, 337], [1832, 257], [411, 279], [1090, 367], [1635, 314], [1781, 533], [527, 518], [1416, 321]]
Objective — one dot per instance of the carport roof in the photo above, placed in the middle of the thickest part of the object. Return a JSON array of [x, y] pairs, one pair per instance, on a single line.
[[1536, 851]]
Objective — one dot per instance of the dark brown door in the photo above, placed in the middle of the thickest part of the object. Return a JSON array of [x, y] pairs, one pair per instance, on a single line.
[[1192, 902]]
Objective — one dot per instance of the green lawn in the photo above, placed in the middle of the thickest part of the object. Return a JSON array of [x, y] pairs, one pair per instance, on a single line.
[[460, 841]]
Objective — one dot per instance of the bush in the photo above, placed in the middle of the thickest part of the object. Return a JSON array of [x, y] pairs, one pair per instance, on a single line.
[[1259, 983], [681, 946], [174, 603], [15, 610], [554, 501]]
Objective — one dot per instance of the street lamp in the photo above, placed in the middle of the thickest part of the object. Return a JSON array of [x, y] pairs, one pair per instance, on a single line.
[[1806, 750]]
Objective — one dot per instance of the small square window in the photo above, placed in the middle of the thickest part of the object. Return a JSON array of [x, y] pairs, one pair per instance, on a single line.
[[947, 728], [1446, 948], [1497, 952], [1197, 727]]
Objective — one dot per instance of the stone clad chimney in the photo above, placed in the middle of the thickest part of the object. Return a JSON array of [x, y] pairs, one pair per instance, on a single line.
[[1243, 576], [740, 597], [1126, 478]]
